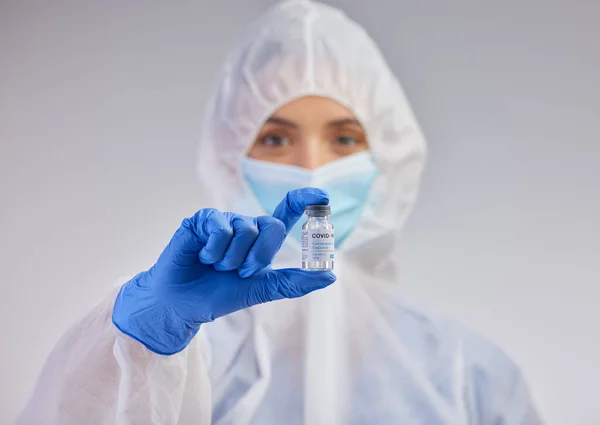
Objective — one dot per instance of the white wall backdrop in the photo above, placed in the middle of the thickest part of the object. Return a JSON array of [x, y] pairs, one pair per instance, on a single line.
[[100, 105]]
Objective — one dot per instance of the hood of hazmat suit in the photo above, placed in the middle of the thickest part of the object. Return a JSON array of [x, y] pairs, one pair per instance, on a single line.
[[352, 354]]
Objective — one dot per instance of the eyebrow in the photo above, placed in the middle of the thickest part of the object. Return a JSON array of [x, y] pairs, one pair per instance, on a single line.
[[335, 123], [343, 122], [281, 121]]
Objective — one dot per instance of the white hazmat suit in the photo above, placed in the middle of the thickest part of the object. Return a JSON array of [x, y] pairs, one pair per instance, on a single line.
[[352, 353]]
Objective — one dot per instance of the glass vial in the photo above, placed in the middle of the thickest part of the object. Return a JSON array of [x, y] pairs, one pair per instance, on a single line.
[[318, 239]]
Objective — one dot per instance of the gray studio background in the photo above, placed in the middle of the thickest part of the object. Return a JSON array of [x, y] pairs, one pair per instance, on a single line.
[[100, 106]]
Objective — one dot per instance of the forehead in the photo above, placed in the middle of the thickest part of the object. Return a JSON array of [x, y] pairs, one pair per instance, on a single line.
[[314, 108]]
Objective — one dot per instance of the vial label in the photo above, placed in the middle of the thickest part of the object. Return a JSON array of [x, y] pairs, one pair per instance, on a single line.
[[317, 245]]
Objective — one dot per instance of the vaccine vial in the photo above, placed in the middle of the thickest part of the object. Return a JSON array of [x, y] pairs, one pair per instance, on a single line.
[[317, 239]]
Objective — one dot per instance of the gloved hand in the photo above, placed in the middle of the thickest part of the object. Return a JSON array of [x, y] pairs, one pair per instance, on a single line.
[[215, 264]]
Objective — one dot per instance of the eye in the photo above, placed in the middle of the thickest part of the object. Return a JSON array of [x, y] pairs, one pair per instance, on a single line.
[[347, 141], [275, 140]]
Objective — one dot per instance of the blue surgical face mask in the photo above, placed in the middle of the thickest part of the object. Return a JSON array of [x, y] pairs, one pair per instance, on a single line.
[[347, 181]]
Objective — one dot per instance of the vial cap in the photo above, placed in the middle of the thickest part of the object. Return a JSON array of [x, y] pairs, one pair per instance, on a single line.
[[318, 210]]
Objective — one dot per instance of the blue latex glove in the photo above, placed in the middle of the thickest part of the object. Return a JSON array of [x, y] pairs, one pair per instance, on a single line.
[[215, 264]]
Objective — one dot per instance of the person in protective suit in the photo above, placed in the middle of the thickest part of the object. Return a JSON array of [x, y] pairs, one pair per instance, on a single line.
[[219, 330]]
